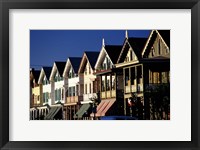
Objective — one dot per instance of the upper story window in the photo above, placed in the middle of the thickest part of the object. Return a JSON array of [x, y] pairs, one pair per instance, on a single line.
[[131, 55], [71, 91], [58, 77], [71, 73], [90, 88], [89, 69], [85, 88], [106, 64], [113, 82], [85, 71], [108, 83], [126, 59], [103, 83], [152, 52], [139, 74], [127, 81], [35, 83], [45, 81]]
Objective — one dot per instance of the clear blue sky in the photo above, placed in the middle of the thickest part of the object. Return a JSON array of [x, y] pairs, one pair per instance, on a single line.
[[47, 46]]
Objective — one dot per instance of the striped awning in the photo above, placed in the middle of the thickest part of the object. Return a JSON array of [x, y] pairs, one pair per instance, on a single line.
[[103, 107], [84, 108], [52, 113]]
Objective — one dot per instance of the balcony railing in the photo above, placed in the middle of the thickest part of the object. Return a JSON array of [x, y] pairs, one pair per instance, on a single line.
[[73, 99], [113, 93], [87, 97], [134, 88], [127, 89], [156, 86], [108, 94]]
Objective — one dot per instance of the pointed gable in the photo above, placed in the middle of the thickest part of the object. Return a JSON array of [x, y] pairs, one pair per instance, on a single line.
[[158, 44], [88, 57], [60, 67], [36, 75], [57, 70], [75, 62], [113, 52], [45, 72], [109, 52], [132, 47], [72, 63], [92, 58]]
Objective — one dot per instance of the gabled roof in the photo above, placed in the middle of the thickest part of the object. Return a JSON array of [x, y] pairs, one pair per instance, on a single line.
[[36, 74], [113, 52], [91, 57], [136, 43], [75, 62], [60, 66], [47, 71], [164, 34]]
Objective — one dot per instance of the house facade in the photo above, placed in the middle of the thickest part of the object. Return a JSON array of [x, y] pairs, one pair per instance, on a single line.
[[57, 83], [88, 82], [57, 93], [37, 109], [131, 79], [34, 94], [145, 64], [73, 89], [45, 90], [111, 87]]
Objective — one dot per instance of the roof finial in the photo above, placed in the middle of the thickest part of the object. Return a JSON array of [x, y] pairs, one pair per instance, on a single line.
[[126, 34], [103, 43]]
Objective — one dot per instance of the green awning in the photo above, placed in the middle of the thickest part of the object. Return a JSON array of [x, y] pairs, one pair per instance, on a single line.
[[82, 110], [53, 111]]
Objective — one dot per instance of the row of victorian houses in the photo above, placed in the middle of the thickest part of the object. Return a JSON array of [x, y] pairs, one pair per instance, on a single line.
[[131, 79]]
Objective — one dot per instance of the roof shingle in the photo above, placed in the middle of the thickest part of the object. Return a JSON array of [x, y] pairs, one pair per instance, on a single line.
[[92, 57], [47, 71], [113, 51], [60, 66], [75, 62]]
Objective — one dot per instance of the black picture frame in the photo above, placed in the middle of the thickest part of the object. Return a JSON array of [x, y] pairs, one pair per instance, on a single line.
[[5, 5]]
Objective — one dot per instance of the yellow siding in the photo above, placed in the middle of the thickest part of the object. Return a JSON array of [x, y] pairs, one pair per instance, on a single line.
[[36, 90]]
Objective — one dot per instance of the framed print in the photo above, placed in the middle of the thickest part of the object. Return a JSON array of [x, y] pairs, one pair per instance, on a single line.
[[130, 91]]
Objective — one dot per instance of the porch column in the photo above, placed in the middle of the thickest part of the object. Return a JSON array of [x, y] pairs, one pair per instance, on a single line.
[[124, 91]]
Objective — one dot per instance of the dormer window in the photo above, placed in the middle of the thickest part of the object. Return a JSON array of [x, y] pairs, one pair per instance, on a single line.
[[131, 55], [58, 78], [106, 64], [85, 70], [89, 70], [71, 73], [152, 52], [45, 81], [34, 83], [126, 59]]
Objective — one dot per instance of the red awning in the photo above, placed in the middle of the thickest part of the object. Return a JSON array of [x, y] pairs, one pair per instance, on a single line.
[[110, 103], [103, 107]]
